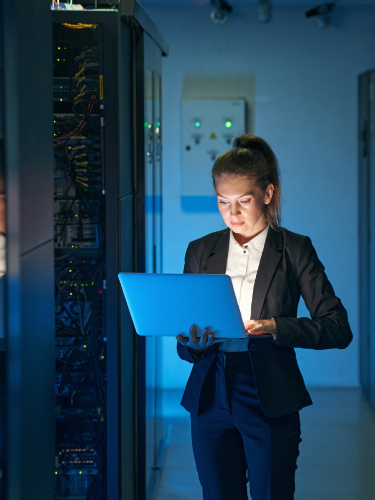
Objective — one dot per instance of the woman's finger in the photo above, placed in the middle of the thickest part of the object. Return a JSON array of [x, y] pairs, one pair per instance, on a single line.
[[248, 323], [192, 335], [254, 325], [203, 340], [255, 329], [210, 339], [182, 340]]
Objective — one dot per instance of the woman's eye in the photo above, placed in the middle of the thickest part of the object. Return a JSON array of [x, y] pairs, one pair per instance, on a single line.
[[223, 202], [245, 201]]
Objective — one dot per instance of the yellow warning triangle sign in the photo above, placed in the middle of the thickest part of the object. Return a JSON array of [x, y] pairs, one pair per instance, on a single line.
[[213, 136]]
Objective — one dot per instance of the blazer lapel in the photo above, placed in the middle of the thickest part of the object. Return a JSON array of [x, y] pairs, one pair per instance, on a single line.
[[267, 266], [271, 255], [217, 259]]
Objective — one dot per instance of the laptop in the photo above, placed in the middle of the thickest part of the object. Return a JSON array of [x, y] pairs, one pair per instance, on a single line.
[[168, 304]]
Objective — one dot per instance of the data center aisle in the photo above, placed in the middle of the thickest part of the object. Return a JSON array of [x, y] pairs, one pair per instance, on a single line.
[[337, 459]]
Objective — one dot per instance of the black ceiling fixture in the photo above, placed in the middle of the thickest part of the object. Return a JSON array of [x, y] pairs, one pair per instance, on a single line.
[[321, 12], [220, 12]]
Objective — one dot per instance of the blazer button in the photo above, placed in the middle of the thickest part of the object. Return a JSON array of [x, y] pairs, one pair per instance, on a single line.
[[253, 347]]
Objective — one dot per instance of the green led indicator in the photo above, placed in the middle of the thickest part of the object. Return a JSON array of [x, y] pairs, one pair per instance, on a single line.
[[146, 124], [92, 282], [70, 293], [197, 124], [228, 124], [58, 48], [70, 270], [158, 124]]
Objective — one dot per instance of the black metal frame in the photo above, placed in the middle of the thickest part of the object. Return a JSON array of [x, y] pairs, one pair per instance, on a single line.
[[366, 224], [139, 255], [363, 247]]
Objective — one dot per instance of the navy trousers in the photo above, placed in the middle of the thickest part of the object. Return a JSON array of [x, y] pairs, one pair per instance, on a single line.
[[233, 439]]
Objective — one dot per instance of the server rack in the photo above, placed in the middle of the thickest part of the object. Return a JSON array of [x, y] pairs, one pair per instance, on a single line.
[[105, 445]]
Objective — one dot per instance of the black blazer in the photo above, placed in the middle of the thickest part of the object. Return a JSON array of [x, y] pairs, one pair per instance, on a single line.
[[289, 267]]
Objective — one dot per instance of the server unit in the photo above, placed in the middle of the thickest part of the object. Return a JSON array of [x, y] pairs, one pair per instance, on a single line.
[[366, 164], [107, 219]]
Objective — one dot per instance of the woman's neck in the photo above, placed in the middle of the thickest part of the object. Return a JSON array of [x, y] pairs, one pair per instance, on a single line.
[[243, 239]]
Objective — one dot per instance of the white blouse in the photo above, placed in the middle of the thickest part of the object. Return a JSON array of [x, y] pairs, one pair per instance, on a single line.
[[242, 267]]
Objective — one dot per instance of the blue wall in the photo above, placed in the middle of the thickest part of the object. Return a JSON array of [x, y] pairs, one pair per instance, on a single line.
[[306, 107]]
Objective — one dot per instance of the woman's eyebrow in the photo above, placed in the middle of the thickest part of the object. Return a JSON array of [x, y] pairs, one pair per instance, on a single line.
[[242, 195]]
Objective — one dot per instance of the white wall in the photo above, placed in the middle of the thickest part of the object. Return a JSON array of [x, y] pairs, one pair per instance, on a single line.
[[306, 107]]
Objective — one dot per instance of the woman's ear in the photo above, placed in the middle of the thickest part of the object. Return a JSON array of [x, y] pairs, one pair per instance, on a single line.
[[269, 193]]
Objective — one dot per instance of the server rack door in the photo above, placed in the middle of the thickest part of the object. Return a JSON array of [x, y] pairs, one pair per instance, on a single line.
[[363, 224], [371, 206], [153, 250], [126, 257], [161, 424], [150, 243], [81, 233]]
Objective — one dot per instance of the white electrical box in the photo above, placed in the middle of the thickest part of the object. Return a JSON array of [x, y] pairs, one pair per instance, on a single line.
[[208, 129]]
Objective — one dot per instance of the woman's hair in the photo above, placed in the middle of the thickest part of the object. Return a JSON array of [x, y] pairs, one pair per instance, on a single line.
[[251, 156]]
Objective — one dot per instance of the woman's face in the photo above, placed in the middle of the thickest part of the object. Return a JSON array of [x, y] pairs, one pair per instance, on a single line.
[[241, 204]]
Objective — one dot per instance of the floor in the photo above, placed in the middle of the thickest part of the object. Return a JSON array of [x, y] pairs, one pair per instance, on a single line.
[[337, 453]]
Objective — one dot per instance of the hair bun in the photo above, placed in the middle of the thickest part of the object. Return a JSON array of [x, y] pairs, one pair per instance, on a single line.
[[237, 143]]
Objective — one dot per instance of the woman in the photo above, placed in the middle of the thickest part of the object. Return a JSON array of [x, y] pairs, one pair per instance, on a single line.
[[244, 395]]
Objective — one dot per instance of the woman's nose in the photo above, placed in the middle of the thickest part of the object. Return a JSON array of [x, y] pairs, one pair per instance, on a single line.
[[235, 209]]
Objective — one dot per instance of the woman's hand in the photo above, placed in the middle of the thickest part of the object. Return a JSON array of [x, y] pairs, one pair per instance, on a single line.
[[193, 342], [260, 326]]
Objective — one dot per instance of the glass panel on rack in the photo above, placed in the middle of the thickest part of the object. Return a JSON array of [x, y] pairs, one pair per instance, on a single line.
[[80, 262], [150, 268], [160, 421], [149, 170], [157, 175]]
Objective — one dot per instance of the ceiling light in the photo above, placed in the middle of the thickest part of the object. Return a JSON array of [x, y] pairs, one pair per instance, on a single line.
[[264, 10], [220, 13], [322, 14]]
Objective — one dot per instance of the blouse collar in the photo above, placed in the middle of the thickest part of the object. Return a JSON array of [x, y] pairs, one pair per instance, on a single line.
[[256, 244]]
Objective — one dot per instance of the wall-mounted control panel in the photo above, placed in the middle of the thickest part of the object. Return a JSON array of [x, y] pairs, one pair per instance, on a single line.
[[208, 129]]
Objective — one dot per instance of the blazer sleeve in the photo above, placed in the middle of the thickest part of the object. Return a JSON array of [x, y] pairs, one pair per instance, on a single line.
[[187, 353], [328, 327]]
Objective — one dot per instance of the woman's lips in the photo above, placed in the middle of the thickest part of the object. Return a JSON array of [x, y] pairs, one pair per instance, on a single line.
[[237, 224]]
